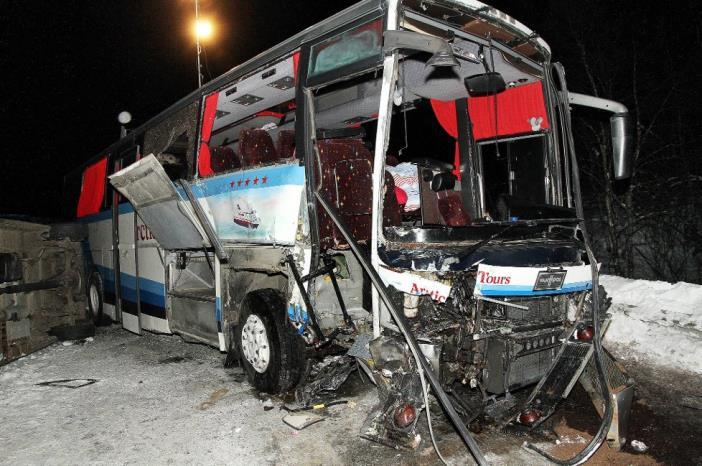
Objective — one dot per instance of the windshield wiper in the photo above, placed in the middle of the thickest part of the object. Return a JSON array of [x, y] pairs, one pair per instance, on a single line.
[[482, 243], [534, 222]]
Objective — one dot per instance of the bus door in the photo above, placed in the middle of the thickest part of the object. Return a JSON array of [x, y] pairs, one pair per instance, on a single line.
[[168, 214], [126, 265]]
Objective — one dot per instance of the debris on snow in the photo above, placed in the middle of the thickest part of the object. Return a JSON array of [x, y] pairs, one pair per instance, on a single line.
[[213, 399], [301, 421], [68, 383], [639, 446], [267, 404]]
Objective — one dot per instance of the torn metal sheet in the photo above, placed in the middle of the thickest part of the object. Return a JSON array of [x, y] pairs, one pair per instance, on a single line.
[[163, 209], [325, 376]]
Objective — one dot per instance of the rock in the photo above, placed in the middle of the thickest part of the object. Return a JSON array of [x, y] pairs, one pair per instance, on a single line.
[[639, 446]]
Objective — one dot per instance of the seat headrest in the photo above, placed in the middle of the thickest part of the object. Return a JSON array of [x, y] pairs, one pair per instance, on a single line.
[[256, 147]]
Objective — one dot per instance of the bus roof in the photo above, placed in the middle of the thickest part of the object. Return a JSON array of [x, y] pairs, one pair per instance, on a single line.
[[471, 8]]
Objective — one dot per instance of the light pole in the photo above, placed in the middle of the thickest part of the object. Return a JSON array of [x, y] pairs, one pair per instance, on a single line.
[[203, 30]]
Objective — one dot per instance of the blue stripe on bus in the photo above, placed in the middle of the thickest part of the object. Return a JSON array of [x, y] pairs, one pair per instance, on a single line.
[[150, 291], [516, 290]]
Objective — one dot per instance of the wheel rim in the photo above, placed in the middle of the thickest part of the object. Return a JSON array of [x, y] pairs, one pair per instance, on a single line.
[[94, 299], [254, 343]]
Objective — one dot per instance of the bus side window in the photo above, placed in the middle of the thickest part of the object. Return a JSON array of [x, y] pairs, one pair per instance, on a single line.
[[250, 123], [173, 143], [175, 157]]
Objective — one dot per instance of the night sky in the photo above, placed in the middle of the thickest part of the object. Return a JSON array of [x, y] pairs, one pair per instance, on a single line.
[[69, 67]]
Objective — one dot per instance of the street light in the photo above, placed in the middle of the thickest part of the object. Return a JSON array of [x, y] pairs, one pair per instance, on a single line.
[[203, 30]]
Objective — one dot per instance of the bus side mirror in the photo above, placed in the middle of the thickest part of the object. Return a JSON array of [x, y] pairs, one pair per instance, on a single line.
[[621, 145]]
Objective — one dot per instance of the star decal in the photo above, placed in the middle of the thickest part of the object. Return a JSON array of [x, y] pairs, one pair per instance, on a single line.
[[246, 183], [255, 180], [238, 183], [264, 179]]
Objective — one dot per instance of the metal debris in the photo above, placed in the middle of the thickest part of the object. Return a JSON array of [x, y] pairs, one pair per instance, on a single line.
[[301, 421], [68, 383], [325, 376]]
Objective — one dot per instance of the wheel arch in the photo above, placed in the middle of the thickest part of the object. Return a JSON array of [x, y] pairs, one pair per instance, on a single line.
[[239, 287]]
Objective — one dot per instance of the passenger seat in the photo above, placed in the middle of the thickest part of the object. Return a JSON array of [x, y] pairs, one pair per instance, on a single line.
[[256, 148]]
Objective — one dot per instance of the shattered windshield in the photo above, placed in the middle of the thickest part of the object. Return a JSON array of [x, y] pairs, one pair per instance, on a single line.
[[457, 160]]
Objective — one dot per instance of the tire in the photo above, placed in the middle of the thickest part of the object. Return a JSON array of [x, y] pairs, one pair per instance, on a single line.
[[95, 298], [271, 353]]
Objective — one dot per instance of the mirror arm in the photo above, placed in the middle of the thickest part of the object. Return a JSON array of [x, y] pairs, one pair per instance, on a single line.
[[596, 102], [621, 129]]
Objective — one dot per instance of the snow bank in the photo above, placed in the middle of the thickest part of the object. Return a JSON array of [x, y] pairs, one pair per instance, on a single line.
[[655, 322]]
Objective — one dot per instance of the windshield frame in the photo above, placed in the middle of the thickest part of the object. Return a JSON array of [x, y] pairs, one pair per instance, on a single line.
[[557, 189]]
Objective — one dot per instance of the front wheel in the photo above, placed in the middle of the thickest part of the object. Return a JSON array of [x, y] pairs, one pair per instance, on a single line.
[[272, 354]]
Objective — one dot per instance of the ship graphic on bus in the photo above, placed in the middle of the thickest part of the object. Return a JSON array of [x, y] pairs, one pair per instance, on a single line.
[[245, 215]]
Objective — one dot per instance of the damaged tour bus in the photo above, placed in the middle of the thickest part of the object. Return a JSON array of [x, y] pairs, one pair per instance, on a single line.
[[398, 180]]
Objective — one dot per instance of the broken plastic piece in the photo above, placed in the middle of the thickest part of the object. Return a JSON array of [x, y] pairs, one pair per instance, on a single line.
[[301, 421]]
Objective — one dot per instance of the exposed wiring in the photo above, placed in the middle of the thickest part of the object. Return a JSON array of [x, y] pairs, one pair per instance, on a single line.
[[426, 406]]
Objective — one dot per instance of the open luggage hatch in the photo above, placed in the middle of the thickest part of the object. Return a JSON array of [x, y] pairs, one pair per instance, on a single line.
[[166, 212]]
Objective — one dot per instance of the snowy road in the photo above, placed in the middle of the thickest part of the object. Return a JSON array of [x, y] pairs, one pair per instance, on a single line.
[[159, 400]]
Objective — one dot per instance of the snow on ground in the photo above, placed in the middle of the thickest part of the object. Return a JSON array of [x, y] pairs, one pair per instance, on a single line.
[[655, 322], [159, 400]]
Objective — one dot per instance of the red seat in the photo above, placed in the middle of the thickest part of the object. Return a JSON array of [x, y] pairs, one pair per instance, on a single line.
[[347, 172], [452, 211], [286, 144], [223, 158], [256, 147]]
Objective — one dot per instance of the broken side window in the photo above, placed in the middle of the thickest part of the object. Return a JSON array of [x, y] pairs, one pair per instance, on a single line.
[[251, 122], [172, 142]]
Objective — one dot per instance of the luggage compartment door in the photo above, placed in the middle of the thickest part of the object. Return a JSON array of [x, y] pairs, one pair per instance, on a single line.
[[166, 212]]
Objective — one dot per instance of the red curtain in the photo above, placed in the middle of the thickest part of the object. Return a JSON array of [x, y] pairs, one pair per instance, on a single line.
[[519, 110], [296, 64], [445, 112], [92, 190], [204, 164]]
